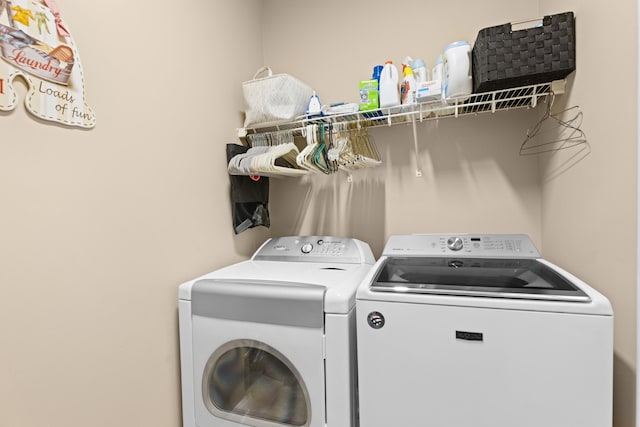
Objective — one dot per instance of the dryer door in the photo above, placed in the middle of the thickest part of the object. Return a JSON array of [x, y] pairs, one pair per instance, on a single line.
[[248, 379], [258, 354]]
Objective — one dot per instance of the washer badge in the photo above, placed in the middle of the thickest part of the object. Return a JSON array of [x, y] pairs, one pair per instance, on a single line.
[[375, 319]]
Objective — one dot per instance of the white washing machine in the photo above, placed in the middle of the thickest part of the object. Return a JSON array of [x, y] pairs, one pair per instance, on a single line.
[[270, 342], [479, 331]]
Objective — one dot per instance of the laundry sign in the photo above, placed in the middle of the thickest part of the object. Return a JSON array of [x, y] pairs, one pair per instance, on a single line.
[[36, 45]]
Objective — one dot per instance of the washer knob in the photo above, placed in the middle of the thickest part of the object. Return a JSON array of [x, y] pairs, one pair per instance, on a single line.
[[455, 243], [306, 248]]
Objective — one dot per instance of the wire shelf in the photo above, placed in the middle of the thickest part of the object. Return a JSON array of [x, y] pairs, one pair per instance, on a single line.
[[500, 100]]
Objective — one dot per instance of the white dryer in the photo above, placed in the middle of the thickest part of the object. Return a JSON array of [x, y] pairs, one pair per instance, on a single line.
[[270, 342], [479, 331]]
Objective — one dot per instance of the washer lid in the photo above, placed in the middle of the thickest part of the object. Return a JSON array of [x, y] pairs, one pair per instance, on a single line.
[[519, 278]]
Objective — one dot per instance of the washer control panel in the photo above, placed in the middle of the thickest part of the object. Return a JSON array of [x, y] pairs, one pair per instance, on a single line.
[[315, 249], [472, 245]]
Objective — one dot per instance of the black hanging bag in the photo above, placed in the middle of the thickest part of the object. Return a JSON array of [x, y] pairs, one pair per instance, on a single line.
[[249, 196]]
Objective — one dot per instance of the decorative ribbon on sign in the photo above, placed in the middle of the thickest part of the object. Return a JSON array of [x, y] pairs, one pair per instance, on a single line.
[[53, 7]]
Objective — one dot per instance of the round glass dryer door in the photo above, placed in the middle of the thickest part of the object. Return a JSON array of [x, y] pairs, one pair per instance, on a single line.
[[249, 382]]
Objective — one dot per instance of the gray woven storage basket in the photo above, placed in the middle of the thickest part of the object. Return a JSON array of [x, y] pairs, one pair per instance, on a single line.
[[503, 58]]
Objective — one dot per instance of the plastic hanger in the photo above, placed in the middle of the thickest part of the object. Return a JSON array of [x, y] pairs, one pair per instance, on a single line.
[[338, 144], [320, 153], [303, 159], [359, 152], [265, 164], [334, 146], [271, 155]]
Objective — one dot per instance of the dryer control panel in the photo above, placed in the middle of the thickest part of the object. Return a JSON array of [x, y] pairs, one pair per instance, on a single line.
[[460, 245], [328, 249]]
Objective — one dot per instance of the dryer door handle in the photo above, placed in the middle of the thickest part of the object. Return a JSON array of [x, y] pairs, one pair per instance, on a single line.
[[294, 304]]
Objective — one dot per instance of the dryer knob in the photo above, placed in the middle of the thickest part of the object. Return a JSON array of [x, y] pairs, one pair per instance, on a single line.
[[454, 243], [306, 248]]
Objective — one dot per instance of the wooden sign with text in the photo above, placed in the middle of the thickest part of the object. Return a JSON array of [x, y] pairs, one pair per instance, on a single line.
[[35, 44]]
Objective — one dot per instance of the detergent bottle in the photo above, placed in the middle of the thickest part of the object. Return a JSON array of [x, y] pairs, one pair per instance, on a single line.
[[408, 87], [436, 73], [406, 62], [377, 70], [389, 96], [457, 78], [420, 71]]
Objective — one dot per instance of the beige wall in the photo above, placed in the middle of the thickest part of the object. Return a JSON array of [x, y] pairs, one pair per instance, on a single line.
[[99, 227], [580, 210], [473, 179], [589, 202]]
